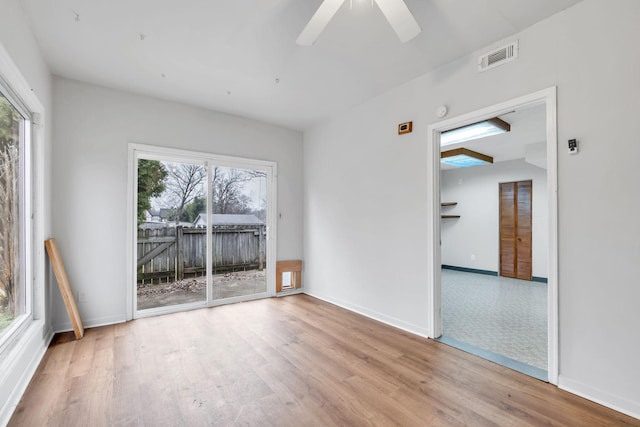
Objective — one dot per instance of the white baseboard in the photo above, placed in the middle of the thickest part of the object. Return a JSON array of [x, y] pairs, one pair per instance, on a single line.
[[602, 397], [21, 365], [90, 323], [372, 314], [288, 292]]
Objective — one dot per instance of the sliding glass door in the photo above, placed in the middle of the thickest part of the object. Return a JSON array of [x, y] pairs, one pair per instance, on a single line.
[[239, 232], [201, 230], [171, 259]]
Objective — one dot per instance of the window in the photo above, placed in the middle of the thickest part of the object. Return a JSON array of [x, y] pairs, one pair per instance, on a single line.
[[14, 226]]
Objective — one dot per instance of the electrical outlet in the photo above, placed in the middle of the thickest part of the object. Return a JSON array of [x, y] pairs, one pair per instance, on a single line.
[[573, 146], [473, 257]]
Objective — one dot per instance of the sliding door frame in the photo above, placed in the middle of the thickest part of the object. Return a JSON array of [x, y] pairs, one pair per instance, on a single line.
[[208, 160]]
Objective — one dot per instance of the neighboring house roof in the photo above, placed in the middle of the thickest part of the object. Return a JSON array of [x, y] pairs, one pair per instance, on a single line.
[[228, 219], [164, 224], [163, 213], [167, 213]]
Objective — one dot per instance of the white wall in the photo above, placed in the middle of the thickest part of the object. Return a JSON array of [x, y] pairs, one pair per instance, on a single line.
[[16, 40], [477, 231], [366, 188], [92, 129]]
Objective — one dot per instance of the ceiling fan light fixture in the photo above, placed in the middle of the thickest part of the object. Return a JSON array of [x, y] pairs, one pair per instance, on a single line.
[[318, 22], [400, 19], [396, 12], [493, 126], [359, 1]]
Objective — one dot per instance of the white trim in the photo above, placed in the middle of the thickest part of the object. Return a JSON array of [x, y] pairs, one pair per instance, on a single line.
[[601, 397], [434, 323], [372, 314], [209, 249], [552, 218], [208, 160], [31, 349], [89, 323], [243, 298], [272, 228], [155, 152], [132, 212], [547, 97], [19, 362], [287, 292]]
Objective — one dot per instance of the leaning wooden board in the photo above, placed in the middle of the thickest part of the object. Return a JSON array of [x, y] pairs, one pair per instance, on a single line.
[[65, 286]]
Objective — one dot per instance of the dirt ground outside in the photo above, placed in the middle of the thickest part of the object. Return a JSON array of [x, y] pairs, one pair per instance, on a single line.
[[194, 289]]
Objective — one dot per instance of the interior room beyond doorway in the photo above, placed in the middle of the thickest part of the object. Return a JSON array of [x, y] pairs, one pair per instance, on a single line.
[[498, 318]]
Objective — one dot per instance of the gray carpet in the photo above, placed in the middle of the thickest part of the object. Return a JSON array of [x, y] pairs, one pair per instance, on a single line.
[[498, 314]]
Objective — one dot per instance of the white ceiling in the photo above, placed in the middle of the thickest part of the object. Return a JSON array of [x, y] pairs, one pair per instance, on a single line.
[[528, 128], [240, 56]]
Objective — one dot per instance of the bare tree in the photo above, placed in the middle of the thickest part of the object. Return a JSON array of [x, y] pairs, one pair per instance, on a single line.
[[185, 187], [228, 190], [8, 227], [184, 183], [9, 169]]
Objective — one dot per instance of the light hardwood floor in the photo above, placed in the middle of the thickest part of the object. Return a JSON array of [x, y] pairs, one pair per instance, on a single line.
[[292, 361]]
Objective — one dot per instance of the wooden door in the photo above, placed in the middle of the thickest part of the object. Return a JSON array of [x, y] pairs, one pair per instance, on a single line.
[[515, 229]]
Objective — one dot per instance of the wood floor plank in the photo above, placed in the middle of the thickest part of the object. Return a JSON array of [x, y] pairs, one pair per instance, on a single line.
[[291, 361]]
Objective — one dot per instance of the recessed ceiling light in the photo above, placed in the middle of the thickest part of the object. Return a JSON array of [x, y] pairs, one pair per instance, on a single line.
[[473, 131], [464, 158]]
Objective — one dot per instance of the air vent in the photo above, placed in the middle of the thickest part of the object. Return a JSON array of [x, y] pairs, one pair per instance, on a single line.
[[499, 56]]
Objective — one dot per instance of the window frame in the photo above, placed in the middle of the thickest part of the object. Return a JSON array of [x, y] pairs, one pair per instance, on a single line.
[[31, 203], [25, 226]]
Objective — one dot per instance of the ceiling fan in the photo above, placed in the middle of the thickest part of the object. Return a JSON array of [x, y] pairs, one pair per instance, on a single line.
[[396, 12]]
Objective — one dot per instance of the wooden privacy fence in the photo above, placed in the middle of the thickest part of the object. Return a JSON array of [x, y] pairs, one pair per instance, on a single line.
[[173, 253]]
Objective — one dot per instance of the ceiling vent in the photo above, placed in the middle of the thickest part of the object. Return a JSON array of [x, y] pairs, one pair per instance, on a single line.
[[499, 56]]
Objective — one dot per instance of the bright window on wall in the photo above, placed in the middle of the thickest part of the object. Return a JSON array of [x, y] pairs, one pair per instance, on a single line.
[[14, 230]]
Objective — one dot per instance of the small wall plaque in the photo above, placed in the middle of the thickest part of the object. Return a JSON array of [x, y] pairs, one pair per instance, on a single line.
[[406, 127]]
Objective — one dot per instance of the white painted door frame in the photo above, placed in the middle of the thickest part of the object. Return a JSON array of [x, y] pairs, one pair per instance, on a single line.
[[547, 97]]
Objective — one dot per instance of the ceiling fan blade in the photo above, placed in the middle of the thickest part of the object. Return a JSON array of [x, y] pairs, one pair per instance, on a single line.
[[400, 18], [320, 19]]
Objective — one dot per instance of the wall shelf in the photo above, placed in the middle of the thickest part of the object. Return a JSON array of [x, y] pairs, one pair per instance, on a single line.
[[449, 204]]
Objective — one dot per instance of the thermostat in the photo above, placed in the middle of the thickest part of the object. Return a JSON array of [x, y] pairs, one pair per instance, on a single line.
[[406, 127]]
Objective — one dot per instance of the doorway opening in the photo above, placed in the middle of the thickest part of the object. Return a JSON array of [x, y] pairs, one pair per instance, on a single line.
[[466, 241], [200, 230]]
